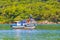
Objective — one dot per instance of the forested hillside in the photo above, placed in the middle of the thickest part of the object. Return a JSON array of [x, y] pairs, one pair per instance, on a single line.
[[14, 10]]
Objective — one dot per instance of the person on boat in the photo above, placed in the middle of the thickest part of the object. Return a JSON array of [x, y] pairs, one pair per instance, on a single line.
[[32, 21], [28, 21]]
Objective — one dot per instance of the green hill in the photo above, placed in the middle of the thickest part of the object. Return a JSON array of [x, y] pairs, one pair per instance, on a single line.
[[13, 10]]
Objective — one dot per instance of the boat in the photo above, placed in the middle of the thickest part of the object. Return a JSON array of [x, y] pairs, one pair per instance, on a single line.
[[24, 24]]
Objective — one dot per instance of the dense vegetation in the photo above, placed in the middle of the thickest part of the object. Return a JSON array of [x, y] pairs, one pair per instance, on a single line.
[[12, 10]]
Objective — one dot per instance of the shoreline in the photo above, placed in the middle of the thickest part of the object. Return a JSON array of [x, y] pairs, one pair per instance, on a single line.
[[38, 22], [47, 22]]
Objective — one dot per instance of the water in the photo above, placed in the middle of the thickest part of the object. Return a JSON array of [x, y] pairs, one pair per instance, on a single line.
[[29, 34]]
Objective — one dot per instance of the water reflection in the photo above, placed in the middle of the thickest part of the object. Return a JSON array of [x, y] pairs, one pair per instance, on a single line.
[[29, 34], [17, 35]]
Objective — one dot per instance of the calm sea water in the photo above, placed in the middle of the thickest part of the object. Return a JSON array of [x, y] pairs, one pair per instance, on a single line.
[[29, 34]]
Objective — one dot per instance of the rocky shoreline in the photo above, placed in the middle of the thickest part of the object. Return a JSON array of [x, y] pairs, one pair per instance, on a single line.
[[39, 22], [47, 22]]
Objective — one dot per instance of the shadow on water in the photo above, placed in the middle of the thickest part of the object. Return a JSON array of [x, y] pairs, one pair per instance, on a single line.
[[29, 34]]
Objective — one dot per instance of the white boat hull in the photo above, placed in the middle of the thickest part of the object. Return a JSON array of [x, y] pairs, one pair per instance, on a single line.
[[19, 27]]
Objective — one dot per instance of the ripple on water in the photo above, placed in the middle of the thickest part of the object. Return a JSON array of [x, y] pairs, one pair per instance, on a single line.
[[30, 34]]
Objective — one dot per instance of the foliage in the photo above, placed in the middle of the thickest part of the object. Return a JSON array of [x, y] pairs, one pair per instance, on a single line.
[[13, 10]]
